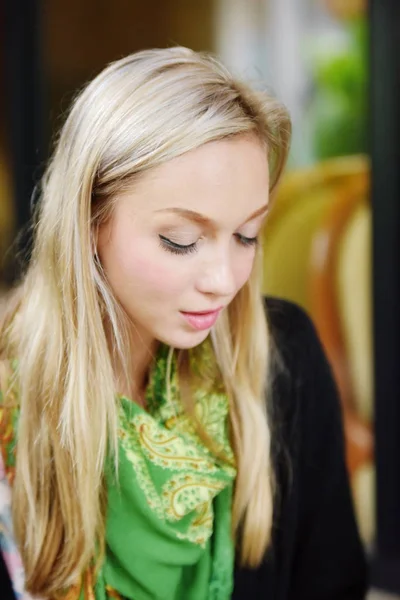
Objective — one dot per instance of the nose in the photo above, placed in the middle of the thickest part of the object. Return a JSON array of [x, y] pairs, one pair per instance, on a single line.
[[217, 276]]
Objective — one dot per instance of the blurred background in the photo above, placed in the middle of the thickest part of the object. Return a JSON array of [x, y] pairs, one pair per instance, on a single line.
[[331, 243]]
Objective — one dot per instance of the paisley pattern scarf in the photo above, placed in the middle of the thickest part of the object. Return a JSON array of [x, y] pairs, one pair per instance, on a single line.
[[168, 523]]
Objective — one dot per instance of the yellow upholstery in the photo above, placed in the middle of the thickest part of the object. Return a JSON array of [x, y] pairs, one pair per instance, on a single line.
[[287, 243], [363, 488], [353, 279], [327, 204], [331, 174], [317, 252], [303, 198]]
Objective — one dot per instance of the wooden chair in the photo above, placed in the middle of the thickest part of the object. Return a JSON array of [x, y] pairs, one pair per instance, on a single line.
[[301, 251], [296, 212], [340, 291], [329, 308]]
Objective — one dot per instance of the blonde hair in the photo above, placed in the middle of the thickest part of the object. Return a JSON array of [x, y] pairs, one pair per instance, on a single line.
[[139, 112]]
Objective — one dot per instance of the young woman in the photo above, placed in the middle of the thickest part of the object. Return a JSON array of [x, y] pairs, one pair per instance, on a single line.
[[167, 433]]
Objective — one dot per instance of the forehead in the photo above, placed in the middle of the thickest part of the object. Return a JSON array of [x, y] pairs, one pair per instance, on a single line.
[[221, 179]]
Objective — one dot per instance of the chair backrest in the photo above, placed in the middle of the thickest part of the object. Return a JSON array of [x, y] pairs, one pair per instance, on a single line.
[[287, 246], [354, 298], [296, 212], [313, 242]]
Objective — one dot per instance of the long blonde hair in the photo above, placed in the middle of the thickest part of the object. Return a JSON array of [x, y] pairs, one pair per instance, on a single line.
[[139, 112]]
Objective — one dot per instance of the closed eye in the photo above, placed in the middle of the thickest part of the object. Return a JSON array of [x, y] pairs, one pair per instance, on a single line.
[[246, 241], [175, 248]]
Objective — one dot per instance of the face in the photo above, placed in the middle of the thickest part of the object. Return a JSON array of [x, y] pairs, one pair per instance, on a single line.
[[181, 244]]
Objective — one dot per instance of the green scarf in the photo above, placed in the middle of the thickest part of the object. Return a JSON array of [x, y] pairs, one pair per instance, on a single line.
[[168, 522]]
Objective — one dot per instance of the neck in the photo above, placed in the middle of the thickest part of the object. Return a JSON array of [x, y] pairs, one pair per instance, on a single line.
[[133, 383]]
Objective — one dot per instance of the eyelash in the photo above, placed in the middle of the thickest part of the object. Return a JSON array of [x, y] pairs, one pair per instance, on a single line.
[[171, 246], [246, 241]]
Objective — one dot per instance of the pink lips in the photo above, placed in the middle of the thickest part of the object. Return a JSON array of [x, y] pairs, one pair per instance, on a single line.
[[203, 320]]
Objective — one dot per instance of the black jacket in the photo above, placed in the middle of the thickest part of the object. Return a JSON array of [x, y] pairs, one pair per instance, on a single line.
[[316, 552]]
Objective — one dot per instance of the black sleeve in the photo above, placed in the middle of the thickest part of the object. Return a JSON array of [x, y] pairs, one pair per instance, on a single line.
[[328, 558]]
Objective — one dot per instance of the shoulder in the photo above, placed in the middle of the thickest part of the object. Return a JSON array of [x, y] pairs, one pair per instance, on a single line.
[[303, 398], [290, 326], [315, 505], [298, 360], [297, 352]]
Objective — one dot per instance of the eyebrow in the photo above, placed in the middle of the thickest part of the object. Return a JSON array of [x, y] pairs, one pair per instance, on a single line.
[[192, 215]]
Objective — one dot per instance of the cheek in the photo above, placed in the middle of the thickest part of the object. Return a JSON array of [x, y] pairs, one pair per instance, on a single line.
[[141, 268], [243, 268], [149, 271]]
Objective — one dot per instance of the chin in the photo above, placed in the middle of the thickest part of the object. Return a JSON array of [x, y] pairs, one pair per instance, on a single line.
[[186, 341]]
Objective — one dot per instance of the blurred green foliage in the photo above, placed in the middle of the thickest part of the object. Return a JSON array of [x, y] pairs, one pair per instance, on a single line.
[[340, 102]]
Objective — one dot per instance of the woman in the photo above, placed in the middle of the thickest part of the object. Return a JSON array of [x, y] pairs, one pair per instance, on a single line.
[[171, 445]]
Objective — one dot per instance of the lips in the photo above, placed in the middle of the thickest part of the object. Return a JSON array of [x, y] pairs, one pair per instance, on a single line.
[[202, 320], [203, 312]]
